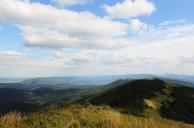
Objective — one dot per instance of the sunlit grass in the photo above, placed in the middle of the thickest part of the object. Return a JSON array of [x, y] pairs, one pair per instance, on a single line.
[[77, 116], [10, 120]]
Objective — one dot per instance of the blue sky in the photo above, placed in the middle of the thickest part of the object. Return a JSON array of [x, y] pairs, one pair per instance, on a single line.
[[82, 37]]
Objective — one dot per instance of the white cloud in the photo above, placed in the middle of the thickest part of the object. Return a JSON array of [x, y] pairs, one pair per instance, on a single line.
[[138, 27], [174, 55], [159, 56], [16, 64], [11, 58], [165, 30], [47, 26], [100, 45], [46, 38], [188, 60], [62, 3], [130, 8], [171, 22], [11, 54]]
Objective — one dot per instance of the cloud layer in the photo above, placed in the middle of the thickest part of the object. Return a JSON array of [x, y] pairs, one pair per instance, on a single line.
[[47, 26], [62, 3], [80, 43], [130, 9], [151, 57]]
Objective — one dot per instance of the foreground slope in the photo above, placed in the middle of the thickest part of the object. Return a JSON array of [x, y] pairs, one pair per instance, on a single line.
[[85, 117]]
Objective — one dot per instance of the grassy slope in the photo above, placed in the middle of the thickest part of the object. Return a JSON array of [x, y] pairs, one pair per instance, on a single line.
[[135, 95], [34, 100], [181, 107], [85, 117], [150, 98]]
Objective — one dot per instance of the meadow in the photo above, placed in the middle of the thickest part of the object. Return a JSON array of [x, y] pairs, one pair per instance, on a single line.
[[85, 116]]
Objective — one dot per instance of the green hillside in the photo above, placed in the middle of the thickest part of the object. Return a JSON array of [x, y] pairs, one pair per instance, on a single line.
[[34, 100], [150, 98]]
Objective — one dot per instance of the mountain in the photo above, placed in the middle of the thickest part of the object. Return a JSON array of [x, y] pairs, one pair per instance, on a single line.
[[69, 82], [150, 97], [35, 85], [34, 100], [143, 97], [178, 82], [186, 78], [102, 79], [180, 106], [131, 95], [11, 80], [83, 80], [66, 82], [14, 86]]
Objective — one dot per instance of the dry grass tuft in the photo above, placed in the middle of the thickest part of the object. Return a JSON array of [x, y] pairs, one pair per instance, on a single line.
[[10, 120], [140, 122]]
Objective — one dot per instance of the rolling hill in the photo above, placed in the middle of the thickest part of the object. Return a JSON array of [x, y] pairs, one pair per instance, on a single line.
[[35, 100], [156, 98], [72, 81], [150, 98]]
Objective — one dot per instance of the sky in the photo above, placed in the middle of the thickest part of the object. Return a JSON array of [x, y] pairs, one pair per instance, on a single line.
[[40, 38]]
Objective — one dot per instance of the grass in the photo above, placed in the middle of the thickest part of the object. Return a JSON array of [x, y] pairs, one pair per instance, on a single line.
[[10, 119], [152, 104], [89, 116]]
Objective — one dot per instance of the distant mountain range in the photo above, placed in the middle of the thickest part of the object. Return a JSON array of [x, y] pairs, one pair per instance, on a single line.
[[84, 80], [65, 82], [94, 80], [11, 80], [186, 78]]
